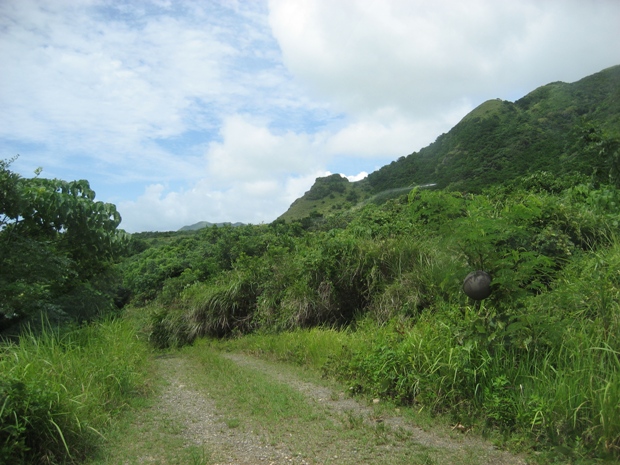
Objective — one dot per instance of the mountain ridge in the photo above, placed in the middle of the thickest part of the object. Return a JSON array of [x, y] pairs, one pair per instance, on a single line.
[[206, 224], [495, 143]]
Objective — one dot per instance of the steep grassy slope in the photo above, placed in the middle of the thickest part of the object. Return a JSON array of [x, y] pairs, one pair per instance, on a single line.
[[497, 142], [500, 140]]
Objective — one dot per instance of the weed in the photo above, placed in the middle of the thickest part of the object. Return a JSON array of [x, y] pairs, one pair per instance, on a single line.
[[198, 455], [352, 420], [232, 422], [59, 390]]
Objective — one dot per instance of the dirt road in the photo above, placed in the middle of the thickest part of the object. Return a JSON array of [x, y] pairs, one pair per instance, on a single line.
[[349, 432]]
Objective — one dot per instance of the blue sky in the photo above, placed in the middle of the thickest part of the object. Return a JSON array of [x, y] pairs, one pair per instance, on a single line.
[[184, 111]]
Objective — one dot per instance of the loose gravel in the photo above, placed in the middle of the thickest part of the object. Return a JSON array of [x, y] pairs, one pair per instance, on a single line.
[[204, 425]]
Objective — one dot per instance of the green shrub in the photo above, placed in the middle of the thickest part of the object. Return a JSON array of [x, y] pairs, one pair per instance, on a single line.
[[217, 309], [167, 327], [26, 416]]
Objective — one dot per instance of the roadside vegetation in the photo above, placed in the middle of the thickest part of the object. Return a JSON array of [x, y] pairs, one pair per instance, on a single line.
[[67, 366], [60, 390]]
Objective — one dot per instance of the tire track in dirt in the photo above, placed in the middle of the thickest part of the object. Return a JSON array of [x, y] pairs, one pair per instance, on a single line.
[[203, 424], [338, 405]]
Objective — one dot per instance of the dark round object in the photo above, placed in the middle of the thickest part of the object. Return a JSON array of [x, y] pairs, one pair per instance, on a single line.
[[477, 285]]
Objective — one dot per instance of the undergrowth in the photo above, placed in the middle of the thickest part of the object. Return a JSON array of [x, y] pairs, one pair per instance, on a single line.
[[561, 401], [59, 390], [548, 380]]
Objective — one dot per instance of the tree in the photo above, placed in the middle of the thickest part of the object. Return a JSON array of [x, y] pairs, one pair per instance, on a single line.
[[605, 152], [54, 238]]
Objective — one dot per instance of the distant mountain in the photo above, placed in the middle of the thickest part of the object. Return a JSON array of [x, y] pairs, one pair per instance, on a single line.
[[495, 143], [206, 224]]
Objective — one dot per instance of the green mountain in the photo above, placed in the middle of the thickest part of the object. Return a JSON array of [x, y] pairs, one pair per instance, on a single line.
[[496, 142], [206, 224]]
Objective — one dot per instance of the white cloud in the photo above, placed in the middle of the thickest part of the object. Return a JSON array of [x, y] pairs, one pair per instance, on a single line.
[[82, 82], [255, 202], [356, 177], [375, 137], [252, 175], [421, 57], [249, 151]]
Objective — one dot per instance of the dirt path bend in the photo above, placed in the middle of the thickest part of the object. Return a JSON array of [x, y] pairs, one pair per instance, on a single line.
[[203, 424]]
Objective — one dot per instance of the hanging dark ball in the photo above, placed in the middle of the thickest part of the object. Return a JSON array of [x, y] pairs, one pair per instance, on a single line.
[[477, 285]]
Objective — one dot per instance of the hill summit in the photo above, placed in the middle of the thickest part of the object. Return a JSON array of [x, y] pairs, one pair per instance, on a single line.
[[206, 224]]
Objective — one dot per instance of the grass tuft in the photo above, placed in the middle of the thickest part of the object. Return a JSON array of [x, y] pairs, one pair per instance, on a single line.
[[60, 390]]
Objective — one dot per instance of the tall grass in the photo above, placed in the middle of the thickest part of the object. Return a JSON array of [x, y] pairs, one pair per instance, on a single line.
[[59, 390], [561, 392], [313, 347]]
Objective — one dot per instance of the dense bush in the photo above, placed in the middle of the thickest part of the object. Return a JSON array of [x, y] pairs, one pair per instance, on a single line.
[[549, 371], [390, 259], [163, 271]]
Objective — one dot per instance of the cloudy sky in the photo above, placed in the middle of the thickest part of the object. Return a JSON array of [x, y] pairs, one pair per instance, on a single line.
[[180, 111]]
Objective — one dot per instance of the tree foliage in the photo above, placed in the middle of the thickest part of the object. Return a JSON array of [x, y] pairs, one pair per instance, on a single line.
[[55, 239]]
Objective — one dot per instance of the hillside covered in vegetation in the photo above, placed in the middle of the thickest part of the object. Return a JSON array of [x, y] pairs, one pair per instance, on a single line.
[[537, 360], [527, 191], [495, 143]]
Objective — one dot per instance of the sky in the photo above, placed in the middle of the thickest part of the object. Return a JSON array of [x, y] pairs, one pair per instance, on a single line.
[[180, 111]]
